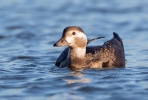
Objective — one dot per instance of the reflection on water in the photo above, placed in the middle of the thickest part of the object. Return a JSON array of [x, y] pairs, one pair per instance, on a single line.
[[29, 28], [80, 79]]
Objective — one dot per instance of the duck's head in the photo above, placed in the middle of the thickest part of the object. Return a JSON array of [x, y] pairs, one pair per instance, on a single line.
[[73, 37]]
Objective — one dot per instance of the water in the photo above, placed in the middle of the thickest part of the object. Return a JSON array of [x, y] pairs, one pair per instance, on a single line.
[[29, 28]]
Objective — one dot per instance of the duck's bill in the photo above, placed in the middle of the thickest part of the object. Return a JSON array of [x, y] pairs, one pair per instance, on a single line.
[[60, 43], [94, 39]]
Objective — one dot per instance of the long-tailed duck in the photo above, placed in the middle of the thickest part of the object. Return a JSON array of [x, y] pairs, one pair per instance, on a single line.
[[78, 55]]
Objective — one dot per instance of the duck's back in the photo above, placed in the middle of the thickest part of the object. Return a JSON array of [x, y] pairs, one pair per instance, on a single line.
[[110, 54]]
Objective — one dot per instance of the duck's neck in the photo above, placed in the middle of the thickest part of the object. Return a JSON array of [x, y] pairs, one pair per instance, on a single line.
[[78, 52]]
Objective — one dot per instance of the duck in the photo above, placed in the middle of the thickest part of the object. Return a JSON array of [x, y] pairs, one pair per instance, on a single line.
[[78, 55]]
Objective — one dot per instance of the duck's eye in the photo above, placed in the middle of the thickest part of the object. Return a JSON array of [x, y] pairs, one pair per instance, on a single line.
[[73, 33]]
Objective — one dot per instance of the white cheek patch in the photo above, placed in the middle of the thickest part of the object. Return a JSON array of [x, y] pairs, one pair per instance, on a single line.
[[69, 39], [81, 35]]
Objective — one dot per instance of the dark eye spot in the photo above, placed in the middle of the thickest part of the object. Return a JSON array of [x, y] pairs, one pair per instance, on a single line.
[[73, 33]]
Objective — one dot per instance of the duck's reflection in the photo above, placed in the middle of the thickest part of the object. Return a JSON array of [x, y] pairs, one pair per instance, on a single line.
[[80, 76]]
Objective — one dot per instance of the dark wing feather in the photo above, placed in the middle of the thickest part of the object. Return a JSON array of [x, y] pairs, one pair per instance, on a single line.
[[62, 57]]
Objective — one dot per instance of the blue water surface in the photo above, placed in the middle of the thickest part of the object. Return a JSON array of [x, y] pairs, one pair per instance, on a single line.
[[29, 28]]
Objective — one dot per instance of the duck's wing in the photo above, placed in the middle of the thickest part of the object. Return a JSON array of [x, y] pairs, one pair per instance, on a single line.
[[88, 41], [115, 54], [111, 53], [63, 56], [93, 49]]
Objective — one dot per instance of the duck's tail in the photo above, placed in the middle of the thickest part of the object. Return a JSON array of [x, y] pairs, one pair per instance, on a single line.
[[118, 38]]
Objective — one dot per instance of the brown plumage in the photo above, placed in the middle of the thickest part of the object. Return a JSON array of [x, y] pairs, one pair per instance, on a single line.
[[78, 56]]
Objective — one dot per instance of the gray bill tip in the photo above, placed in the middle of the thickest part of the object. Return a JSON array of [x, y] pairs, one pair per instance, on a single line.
[[55, 45]]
